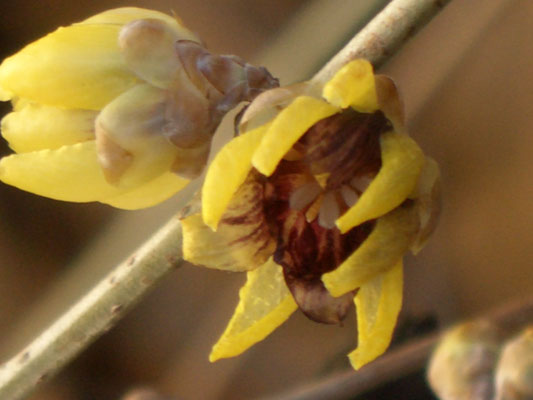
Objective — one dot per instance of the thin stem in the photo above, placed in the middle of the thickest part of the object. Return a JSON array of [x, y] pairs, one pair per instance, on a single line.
[[94, 314], [103, 306], [384, 35], [403, 360]]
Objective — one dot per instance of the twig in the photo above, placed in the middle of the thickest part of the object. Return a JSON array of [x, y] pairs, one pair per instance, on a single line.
[[94, 314], [384, 35], [402, 361], [99, 310]]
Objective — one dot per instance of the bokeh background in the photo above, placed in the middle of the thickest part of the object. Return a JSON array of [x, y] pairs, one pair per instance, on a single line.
[[466, 81]]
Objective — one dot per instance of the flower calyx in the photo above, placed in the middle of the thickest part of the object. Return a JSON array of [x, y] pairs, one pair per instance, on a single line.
[[192, 91]]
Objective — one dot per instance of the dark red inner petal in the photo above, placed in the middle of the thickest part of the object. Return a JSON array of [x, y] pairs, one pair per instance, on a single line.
[[345, 146], [309, 252], [316, 303], [305, 249]]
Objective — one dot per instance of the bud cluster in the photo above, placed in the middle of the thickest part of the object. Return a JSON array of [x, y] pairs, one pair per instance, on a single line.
[[119, 108], [474, 361]]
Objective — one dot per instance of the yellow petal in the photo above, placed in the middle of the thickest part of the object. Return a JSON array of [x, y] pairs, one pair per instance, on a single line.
[[122, 16], [227, 172], [402, 161], [287, 128], [5, 95], [384, 247], [267, 105], [70, 173], [75, 67], [149, 194], [378, 304], [36, 127], [242, 241], [353, 86], [265, 303]]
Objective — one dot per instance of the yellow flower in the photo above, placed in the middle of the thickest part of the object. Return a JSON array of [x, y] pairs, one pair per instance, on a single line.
[[119, 108], [318, 199]]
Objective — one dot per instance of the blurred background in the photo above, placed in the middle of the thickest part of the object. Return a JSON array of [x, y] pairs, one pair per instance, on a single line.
[[466, 82]]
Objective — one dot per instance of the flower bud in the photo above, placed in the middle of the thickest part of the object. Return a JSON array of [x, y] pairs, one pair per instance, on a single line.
[[462, 365], [514, 372], [119, 108]]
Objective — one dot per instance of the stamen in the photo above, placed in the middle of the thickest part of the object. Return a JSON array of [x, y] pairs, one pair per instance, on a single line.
[[349, 195], [361, 182], [304, 195], [322, 179], [329, 211], [314, 209]]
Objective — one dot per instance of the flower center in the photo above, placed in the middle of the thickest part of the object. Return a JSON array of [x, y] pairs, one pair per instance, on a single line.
[[342, 155], [320, 178]]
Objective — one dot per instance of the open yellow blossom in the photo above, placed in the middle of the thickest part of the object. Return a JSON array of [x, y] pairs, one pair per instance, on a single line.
[[119, 108], [318, 199]]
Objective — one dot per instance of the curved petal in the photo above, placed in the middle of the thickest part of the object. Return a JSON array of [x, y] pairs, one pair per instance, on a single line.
[[149, 194], [75, 67], [287, 128], [402, 161], [70, 173], [265, 303], [226, 174], [267, 105], [378, 304], [36, 127], [386, 245], [242, 241], [5, 95], [353, 86]]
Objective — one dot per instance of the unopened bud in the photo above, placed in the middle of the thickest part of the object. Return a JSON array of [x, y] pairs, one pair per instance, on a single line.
[[514, 373], [133, 86], [462, 364]]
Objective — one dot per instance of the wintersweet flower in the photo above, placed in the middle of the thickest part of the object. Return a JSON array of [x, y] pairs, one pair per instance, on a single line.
[[318, 199], [119, 108]]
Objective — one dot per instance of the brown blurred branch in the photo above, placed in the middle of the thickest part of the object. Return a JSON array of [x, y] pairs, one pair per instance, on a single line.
[[402, 361], [102, 307], [94, 314], [384, 35]]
